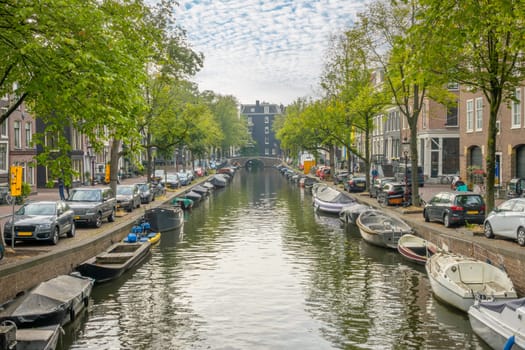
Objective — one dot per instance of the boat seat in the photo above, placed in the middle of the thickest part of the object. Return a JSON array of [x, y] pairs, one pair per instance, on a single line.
[[113, 258], [493, 288]]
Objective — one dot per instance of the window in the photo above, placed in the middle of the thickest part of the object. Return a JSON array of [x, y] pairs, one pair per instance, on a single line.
[[266, 109], [266, 151], [452, 116], [3, 127], [498, 126], [453, 86], [266, 130], [252, 109], [424, 115], [470, 115], [266, 140], [3, 157], [479, 114], [516, 109], [28, 134], [17, 134], [266, 119]]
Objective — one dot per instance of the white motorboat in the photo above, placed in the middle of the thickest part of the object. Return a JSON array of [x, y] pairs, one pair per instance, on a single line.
[[329, 200], [379, 228], [458, 280], [501, 324]]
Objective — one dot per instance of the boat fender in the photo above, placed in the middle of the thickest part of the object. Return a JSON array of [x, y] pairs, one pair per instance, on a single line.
[[132, 238], [509, 343]]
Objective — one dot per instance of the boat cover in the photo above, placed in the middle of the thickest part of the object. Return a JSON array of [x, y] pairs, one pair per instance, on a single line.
[[54, 294], [328, 194], [498, 306]]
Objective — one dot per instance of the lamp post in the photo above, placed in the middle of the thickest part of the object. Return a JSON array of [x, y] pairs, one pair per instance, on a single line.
[[92, 157], [405, 153], [153, 149]]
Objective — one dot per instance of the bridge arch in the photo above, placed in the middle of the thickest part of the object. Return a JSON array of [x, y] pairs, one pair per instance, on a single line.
[[266, 161]]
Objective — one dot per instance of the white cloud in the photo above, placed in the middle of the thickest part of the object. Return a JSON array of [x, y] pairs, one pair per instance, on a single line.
[[269, 50]]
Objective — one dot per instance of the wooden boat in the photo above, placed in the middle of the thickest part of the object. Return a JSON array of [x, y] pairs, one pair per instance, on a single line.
[[379, 228], [117, 259], [329, 200], [501, 324], [56, 301], [164, 218], [38, 338], [458, 280], [349, 213], [415, 249]]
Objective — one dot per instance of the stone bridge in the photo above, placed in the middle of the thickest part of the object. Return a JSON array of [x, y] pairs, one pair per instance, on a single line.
[[266, 161]]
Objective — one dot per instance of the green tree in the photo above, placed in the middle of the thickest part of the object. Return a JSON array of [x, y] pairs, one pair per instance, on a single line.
[[484, 53]]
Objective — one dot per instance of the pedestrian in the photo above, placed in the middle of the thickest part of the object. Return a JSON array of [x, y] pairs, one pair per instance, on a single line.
[[375, 173], [454, 181], [61, 188]]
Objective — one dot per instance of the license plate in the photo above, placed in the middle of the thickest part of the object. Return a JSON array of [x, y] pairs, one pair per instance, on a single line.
[[396, 200], [360, 185], [77, 217], [25, 233], [472, 212]]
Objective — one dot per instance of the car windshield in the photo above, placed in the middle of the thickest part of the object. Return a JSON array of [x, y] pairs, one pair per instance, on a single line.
[[172, 177], [37, 209], [124, 190], [143, 187], [85, 196]]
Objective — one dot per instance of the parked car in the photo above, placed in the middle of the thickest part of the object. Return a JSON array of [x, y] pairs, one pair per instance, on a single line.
[[147, 194], [92, 204], [401, 171], [378, 184], [325, 173], [393, 193], [171, 181], [355, 184], [158, 175], [183, 178], [341, 177], [128, 197], [507, 220], [41, 221], [455, 208]]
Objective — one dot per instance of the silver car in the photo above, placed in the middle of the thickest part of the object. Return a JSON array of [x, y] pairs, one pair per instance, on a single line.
[[41, 221], [507, 220], [128, 197]]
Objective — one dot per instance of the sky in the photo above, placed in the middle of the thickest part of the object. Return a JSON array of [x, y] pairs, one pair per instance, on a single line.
[[266, 50]]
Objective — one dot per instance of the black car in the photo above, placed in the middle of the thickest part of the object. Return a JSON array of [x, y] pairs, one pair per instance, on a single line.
[[41, 221], [394, 193], [93, 204], [355, 184], [455, 208], [378, 185]]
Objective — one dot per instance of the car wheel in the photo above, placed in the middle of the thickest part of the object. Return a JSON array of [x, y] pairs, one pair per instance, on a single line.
[[72, 231], [54, 236], [488, 230], [521, 236], [111, 216], [98, 220], [446, 220], [425, 214]]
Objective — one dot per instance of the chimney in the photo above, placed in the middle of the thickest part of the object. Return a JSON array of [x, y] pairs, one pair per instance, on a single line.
[[257, 103]]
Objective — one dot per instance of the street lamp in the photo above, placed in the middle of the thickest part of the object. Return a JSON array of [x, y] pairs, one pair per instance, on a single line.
[[92, 157], [152, 155], [406, 151]]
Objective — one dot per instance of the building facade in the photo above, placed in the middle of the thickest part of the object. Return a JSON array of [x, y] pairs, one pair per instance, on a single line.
[[260, 118]]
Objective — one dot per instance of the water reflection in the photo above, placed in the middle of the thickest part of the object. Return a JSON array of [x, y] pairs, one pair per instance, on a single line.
[[256, 268]]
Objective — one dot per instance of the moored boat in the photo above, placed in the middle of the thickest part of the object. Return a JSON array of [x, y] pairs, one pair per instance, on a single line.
[[329, 200], [501, 324], [37, 338], [182, 203], [193, 195], [415, 249], [458, 280], [203, 191], [350, 213], [379, 228], [164, 218], [114, 261], [56, 301]]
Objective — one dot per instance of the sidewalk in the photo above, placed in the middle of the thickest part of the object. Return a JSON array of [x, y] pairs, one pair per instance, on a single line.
[[51, 194]]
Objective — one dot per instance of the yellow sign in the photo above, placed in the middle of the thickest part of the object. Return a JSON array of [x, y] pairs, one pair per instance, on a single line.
[[107, 174], [16, 181]]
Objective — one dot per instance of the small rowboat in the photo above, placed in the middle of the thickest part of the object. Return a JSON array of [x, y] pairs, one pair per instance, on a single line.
[[415, 249]]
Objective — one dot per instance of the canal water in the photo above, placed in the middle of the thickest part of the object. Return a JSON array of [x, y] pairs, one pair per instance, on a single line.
[[256, 268]]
